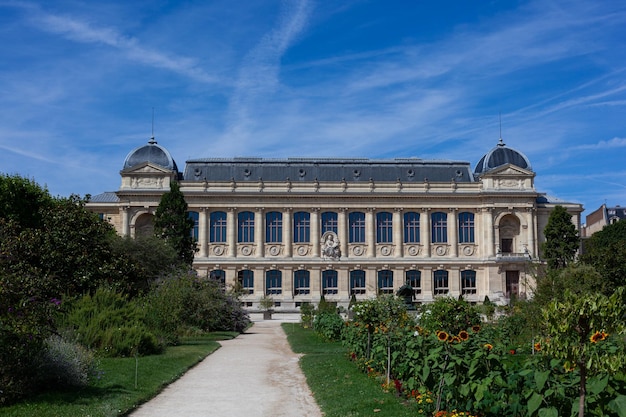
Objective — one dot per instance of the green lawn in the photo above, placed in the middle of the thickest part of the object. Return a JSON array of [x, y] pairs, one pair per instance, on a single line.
[[339, 387], [114, 393]]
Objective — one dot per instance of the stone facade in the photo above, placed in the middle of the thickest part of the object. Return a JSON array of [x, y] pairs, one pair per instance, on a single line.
[[297, 229]]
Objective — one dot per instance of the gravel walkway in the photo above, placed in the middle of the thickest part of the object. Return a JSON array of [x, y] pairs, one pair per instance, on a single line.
[[255, 374]]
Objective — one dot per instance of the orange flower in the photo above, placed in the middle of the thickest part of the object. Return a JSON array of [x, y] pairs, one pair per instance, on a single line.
[[463, 335], [538, 347], [442, 336], [604, 335], [488, 346], [596, 337]]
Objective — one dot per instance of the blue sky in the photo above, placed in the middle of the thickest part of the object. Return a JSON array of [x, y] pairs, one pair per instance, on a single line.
[[301, 78]]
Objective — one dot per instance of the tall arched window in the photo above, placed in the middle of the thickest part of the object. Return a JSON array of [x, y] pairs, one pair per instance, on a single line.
[[468, 282], [329, 282], [245, 278], [414, 279], [329, 222], [301, 282], [218, 275], [273, 282], [356, 221], [439, 227], [193, 215], [274, 227], [466, 227], [385, 281], [411, 227], [245, 230], [217, 227], [357, 282], [301, 227], [384, 227], [440, 282]]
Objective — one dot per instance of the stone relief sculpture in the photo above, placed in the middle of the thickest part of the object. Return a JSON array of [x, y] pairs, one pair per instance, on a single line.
[[330, 246]]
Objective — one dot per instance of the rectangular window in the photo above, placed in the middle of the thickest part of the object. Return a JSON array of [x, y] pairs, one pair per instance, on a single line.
[[385, 282], [246, 227], [273, 282], [217, 227], [468, 282], [329, 282], [246, 281], [274, 227], [466, 227], [301, 227], [411, 227], [414, 279], [301, 282], [357, 227], [357, 282], [193, 215], [329, 222], [439, 227], [384, 227], [440, 282]]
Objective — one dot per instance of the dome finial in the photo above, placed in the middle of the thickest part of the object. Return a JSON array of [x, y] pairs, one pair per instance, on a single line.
[[152, 141], [500, 142]]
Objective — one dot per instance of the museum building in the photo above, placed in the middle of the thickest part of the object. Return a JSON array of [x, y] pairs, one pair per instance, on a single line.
[[299, 228]]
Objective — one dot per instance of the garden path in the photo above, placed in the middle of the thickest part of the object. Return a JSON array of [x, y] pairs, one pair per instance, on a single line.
[[253, 375]]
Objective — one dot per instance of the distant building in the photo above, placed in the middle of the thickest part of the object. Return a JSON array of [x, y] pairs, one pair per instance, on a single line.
[[299, 228], [601, 217]]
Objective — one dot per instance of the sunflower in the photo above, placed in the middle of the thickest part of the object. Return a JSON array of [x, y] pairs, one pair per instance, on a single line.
[[488, 346], [538, 347], [476, 328], [455, 339], [463, 335], [596, 337], [604, 335], [442, 336]]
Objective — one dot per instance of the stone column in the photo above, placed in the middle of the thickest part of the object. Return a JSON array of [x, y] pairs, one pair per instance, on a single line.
[[425, 231], [315, 232], [342, 232], [231, 232], [488, 232], [315, 283], [371, 281], [259, 281], [398, 232], [202, 240], [287, 283], [454, 282], [259, 232], [125, 220], [370, 232], [453, 227], [287, 233], [532, 249]]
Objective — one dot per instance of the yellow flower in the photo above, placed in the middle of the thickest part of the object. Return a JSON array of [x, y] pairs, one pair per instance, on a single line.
[[488, 346], [596, 337], [442, 336], [463, 335], [538, 347]]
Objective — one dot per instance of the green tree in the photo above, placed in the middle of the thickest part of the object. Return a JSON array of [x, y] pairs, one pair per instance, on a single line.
[[172, 223], [577, 278], [606, 251], [22, 201], [562, 240]]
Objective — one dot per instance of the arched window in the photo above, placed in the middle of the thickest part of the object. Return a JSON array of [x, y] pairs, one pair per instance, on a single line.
[[357, 282], [384, 227], [329, 282], [385, 281], [466, 227], [218, 275], [411, 227], [217, 227], [273, 282], [440, 282], [301, 282], [329, 222], [274, 227], [468, 282], [356, 220], [414, 279], [193, 215], [245, 230], [439, 227], [245, 277], [301, 227]]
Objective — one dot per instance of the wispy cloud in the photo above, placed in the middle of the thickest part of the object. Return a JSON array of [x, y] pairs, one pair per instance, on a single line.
[[604, 144]]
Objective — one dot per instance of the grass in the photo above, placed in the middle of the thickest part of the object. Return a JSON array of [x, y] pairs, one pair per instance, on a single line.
[[339, 387], [114, 393]]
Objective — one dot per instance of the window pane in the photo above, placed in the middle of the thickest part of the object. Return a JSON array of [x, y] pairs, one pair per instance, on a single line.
[[301, 227], [218, 275], [468, 282], [411, 227], [357, 227], [439, 227], [193, 215], [274, 227], [246, 280], [329, 222], [301, 282], [414, 279], [385, 281], [217, 227], [246, 227], [466, 227], [329, 282], [440, 282], [357, 282], [384, 227], [273, 282]]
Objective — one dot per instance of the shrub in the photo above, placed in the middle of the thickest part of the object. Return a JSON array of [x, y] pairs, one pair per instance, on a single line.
[[329, 325], [66, 364], [449, 314], [307, 312]]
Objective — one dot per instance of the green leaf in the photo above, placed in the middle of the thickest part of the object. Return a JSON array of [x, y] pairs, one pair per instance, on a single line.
[[548, 412], [597, 385], [618, 404], [533, 403], [540, 379]]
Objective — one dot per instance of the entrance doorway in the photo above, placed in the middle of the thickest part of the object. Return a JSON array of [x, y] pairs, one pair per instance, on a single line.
[[512, 284]]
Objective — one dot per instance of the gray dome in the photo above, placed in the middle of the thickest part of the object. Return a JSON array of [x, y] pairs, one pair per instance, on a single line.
[[499, 156], [153, 153]]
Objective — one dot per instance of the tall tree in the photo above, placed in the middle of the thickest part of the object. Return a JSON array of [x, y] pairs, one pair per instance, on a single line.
[[173, 224], [562, 240], [606, 251]]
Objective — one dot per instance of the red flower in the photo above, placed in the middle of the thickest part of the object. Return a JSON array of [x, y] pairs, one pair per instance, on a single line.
[[512, 351]]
